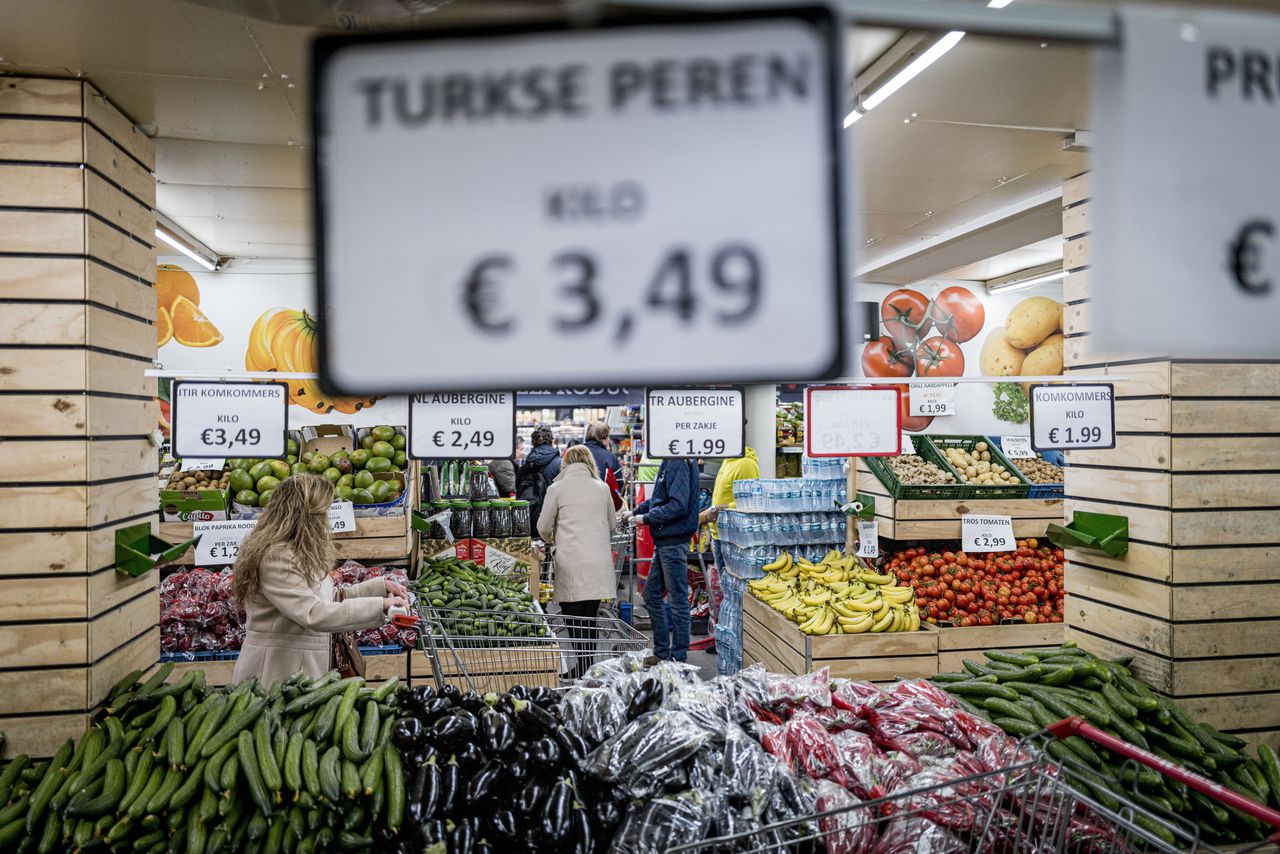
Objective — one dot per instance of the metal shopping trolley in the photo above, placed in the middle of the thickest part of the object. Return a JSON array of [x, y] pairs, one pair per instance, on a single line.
[[1034, 806], [497, 650]]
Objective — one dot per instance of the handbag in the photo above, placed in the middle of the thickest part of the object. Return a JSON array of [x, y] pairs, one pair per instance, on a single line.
[[344, 652]]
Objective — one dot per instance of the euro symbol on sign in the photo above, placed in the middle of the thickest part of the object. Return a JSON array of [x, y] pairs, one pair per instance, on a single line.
[[1245, 256], [437, 438], [479, 297], [673, 447]]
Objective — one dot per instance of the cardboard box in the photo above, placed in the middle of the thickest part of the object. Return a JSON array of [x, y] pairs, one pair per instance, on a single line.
[[328, 438], [189, 505]]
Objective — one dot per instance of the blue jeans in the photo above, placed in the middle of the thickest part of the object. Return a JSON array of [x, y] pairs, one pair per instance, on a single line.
[[669, 574]]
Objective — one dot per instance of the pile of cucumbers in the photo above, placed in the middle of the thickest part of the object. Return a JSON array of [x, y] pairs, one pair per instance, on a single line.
[[502, 606], [1023, 692], [304, 766]]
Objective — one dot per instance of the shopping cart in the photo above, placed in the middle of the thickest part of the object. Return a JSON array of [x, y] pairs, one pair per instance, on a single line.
[[1034, 806], [497, 650]]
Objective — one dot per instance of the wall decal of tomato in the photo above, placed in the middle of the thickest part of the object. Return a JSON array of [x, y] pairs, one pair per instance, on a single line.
[[284, 339], [939, 357], [905, 314], [884, 358], [957, 314]]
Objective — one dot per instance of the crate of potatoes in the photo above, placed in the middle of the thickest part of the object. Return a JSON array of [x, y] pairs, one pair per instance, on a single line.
[[911, 476], [1043, 471], [976, 463]]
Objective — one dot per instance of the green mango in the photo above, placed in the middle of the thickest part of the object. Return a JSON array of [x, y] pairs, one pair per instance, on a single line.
[[267, 483], [264, 499], [379, 491], [339, 455], [247, 497], [364, 479], [346, 493], [291, 446], [298, 468], [280, 469], [332, 474], [398, 442], [383, 449], [378, 464], [360, 457], [383, 433], [239, 480], [348, 480], [400, 460], [319, 463], [367, 442], [259, 471], [362, 496]]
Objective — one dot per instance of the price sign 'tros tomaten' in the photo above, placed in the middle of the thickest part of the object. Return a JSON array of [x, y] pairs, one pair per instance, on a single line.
[[987, 533], [655, 140], [462, 425], [696, 422], [1072, 417], [213, 419], [843, 421]]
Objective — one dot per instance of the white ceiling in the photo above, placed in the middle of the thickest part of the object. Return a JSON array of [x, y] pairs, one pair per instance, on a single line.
[[224, 95]]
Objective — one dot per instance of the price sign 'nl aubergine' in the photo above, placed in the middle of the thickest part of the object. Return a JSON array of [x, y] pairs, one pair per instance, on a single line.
[[560, 206], [695, 422], [462, 425]]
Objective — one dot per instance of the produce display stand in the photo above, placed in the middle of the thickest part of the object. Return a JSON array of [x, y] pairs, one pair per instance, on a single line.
[[955, 644], [380, 663], [771, 639]]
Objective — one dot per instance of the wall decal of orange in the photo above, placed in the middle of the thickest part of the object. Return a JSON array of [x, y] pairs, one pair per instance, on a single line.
[[164, 327], [178, 314], [284, 339], [172, 282], [190, 327]]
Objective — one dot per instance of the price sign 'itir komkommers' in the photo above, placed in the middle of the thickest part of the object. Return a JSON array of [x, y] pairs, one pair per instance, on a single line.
[[552, 202], [462, 425], [696, 422], [215, 419]]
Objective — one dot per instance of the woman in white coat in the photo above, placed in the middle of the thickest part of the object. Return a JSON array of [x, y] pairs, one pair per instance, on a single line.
[[578, 519]]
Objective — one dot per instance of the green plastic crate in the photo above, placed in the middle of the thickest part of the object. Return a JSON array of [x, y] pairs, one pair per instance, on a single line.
[[918, 491], [934, 448]]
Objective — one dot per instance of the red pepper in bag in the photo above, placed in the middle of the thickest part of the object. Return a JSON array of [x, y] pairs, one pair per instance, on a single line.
[[813, 749], [846, 829]]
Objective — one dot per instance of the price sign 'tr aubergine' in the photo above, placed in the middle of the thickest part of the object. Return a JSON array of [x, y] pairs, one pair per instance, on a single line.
[[655, 139], [1073, 417], [215, 419], [695, 422], [462, 425]]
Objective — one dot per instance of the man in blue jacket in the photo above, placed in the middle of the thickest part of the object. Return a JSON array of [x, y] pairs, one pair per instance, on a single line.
[[672, 517]]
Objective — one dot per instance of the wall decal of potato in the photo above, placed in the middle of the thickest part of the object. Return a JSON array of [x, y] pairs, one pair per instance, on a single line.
[[1033, 320], [999, 358]]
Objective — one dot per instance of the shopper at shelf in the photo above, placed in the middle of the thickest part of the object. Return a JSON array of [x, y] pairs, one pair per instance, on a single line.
[[745, 467], [503, 473], [578, 519], [672, 517], [599, 445], [282, 582], [538, 471]]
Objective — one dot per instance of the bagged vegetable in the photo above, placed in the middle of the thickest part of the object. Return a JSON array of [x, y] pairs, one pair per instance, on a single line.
[[662, 823], [652, 741]]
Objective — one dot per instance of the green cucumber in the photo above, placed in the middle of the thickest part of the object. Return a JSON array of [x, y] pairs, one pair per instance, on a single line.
[[311, 768], [155, 682], [139, 805], [228, 733], [325, 720], [215, 708], [350, 779], [230, 771], [347, 705], [266, 758], [190, 786], [1019, 727], [166, 711], [174, 744], [137, 780], [293, 762], [369, 726], [328, 774], [9, 777], [1116, 701], [350, 742], [316, 696], [249, 767], [384, 690], [1003, 707], [160, 799], [982, 689], [213, 767], [53, 777], [123, 685], [1270, 765], [950, 677], [394, 771]]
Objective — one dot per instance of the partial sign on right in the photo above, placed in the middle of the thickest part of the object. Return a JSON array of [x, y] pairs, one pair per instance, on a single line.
[[1187, 200]]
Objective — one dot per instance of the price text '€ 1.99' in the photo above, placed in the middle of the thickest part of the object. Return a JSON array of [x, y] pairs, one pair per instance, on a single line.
[[1075, 435], [707, 447], [725, 285]]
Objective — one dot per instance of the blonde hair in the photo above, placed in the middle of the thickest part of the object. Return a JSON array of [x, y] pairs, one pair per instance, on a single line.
[[297, 520], [580, 454], [598, 431]]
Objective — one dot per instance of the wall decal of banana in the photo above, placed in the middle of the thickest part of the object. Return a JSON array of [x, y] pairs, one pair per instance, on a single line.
[[839, 595], [284, 339]]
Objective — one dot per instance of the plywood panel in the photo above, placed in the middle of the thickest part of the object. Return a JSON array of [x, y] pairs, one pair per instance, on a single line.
[[1210, 379], [121, 334], [118, 167], [1228, 417], [108, 588], [40, 96], [36, 462], [1202, 491], [1238, 527], [54, 597], [42, 278], [108, 287], [1077, 319], [139, 654], [117, 126], [1225, 562], [43, 644], [1130, 452], [114, 627], [1225, 675], [1253, 711], [1128, 628], [1228, 602], [120, 500], [46, 551], [41, 735], [1142, 416], [118, 374], [42, 232], [1239, 453], [1153, 526], [1150, 598], [1137, 487], [1152, 669], [1145, 379], [124, 211], [1077, 189], [1085, 350], [54, 690], [1077, 221], [41, 141], [216, 673], [1142, 560], [1000, 637], [1075, 286], [1018, 508], [118, 249], [45, 186], [112, 457], [41, 415], [1217, 640], [42, 323], [43, 506], [1075, 253], [881, 668]]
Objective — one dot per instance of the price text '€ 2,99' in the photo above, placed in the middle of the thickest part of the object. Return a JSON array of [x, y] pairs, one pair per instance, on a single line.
[[231, 440], [725, 285]]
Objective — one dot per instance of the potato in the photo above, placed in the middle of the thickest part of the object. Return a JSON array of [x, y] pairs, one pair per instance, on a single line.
[[999, 358], [1045, 360], [1031, 321]]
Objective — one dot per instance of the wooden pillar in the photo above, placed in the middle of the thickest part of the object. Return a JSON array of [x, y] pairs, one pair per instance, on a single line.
[[1196, 599], [77, 305]]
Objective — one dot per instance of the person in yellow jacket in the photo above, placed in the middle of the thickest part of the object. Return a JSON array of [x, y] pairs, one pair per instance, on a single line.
[[745, 467]]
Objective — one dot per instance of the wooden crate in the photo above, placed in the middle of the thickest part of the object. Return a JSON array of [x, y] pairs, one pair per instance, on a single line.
[[218, 673], [375, 538], [957, 644], [771, 639], [490, 669]]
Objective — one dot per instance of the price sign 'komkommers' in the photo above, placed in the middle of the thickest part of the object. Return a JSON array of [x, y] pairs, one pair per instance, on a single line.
[[655, 140], [852, 422], [1073, 417], [212, 419], [462, 425], [699, 422]]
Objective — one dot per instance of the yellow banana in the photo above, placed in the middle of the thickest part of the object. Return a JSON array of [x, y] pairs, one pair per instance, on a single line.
[[782, 562], [854, 627], [914, 613], [873, 578], [898, 595], [825, 621], [817, 598], [882, 624]]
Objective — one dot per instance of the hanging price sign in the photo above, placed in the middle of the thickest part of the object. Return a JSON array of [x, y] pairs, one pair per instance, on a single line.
[[219, 542], [933, 399], [868, 539], [218, 420], [1073, 417], [693, 423], [342, 517], [987, 533], [462, 425], [842, 421], [1017, 447]]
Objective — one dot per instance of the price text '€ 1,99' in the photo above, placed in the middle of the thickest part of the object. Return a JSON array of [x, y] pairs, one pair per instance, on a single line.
[[708, 447], [231, 440], [729, 278], [1070, 435], [463, 440]]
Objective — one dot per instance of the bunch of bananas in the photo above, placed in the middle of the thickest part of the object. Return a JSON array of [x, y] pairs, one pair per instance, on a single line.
[[839, 595]]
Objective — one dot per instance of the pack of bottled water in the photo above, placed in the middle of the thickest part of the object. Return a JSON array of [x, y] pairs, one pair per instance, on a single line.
[[780, 529], [822, 468], [788, 495]]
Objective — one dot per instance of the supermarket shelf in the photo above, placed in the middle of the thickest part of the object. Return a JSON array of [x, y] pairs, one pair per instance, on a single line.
[[375, 538], [939, 519], [791, 449]]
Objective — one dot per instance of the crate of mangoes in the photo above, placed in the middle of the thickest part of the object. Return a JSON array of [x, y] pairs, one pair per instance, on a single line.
[[976, 463]]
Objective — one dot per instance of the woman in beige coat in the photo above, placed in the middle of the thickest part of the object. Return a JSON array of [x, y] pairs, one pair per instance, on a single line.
[[578, 519], [282, 581]]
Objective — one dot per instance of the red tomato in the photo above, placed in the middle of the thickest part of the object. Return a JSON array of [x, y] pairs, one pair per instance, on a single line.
[[957, 314], [1030, 616], [904, 315], [883, 359], [938, 357]]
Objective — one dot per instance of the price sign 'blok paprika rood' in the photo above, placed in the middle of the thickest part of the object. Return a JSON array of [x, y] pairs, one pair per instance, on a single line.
[[215, 419], [462, 425], [695, 423]]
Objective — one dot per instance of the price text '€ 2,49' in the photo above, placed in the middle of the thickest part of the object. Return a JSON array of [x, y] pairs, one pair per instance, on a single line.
[[464, 440]]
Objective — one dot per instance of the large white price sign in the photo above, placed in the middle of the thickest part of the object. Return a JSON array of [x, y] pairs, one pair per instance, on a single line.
[[1186, 217], [220, 541], [695, 422], [933, 399], [215, 419], [655, 139], [842, 421], [462, 425], [1073, 417], [987, 534]]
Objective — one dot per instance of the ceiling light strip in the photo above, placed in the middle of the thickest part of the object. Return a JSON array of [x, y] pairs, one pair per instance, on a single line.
[[185, 250]]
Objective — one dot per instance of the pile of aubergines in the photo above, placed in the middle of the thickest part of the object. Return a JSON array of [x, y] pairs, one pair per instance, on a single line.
[[497, 773]]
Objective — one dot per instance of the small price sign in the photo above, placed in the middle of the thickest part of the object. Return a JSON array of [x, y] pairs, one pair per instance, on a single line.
[[342, 517], [843, 421], [933, 399], [462, 425], [217, 420], [868, 539], [1017, 447], [207, 464], [695, 422], [908, 444], [219, 542], [1073, 417], [987, 533]]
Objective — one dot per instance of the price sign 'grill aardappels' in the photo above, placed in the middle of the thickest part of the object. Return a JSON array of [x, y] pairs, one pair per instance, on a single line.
[[547, 204]]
